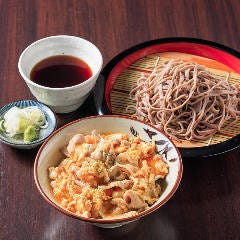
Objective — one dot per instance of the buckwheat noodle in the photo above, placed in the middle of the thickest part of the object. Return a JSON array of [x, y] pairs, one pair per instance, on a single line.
[[185, 100]]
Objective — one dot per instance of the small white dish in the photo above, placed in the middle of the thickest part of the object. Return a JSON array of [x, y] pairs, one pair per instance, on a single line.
[[68, 99], [50, 155], [44, 133]]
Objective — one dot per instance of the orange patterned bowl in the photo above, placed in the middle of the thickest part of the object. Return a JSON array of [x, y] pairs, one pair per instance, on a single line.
[[50, 155]]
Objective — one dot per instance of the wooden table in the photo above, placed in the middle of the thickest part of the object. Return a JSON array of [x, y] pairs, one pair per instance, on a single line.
[[207, 203]]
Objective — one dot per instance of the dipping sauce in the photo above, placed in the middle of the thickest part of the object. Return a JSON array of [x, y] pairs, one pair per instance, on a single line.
[[60, 71]]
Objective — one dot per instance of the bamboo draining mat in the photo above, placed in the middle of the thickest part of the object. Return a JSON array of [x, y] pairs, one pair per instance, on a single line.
[[119, 96]]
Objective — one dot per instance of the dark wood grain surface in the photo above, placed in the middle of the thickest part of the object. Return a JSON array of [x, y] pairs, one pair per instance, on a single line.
[[207, 203]]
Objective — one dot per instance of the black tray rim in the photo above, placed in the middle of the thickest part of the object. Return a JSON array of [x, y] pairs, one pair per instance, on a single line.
[[195, 152]]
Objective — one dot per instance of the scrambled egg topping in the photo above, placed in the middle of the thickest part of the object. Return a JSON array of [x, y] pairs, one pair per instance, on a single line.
[[108, 175]]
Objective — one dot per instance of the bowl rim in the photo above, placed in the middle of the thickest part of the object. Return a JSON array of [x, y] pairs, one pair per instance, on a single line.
[[106, 221], [35, 142], [89, 80]]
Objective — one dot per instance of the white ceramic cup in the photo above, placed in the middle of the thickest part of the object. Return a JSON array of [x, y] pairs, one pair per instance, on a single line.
[[68, 99]]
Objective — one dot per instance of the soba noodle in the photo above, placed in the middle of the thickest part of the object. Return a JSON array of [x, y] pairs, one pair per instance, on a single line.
[[186, 101]]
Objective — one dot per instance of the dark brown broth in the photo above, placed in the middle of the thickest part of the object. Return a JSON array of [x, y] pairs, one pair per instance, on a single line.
[[60, 71]]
